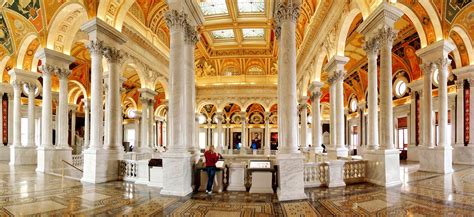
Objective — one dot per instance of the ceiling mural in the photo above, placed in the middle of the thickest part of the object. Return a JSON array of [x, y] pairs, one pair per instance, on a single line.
[[30, 9], [5, 38]]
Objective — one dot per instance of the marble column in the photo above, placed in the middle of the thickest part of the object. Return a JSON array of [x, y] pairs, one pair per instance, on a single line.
[[332, 113], [113, 105], [10, 118], [243, 135], [371, 48], [73, 109], [16, 113], [96, 125], [362, 128], [46, 110], [144, 126], [290, 160], [176, 160], [63, 123], [228, 142], [151, 119], [190, 40], [86, 124], [31, 88], [384, 164], [21, 154], [219, 117], [267, 148], [335, 67], [436, 159], [442, 65], [304, 121], [317, 136]]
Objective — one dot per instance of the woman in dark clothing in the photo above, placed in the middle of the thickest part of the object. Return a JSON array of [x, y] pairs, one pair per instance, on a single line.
[[211, 160]]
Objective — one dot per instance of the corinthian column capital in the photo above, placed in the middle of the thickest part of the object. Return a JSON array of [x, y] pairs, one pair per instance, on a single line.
[[96, 47], [289, 11], [387, 35], [63, 73], [191, 35], [176, 20], [113, 55], [371, 47]]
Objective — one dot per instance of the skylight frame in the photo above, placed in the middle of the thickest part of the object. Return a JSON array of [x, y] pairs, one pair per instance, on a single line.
[[223, 34], [247, 7], [253, 33], [214, 8]]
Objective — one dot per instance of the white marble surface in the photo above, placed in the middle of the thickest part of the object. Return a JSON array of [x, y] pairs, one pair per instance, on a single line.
[[412, 153], [101, 165], [20, 155], [177, 170], [44, 157], [261, 183], [236, 177], [334, 153], [383, 167], [156, 177], [4, 153], [436, 160], [463, 155], [290, 177], [143, 176], [336, 173]]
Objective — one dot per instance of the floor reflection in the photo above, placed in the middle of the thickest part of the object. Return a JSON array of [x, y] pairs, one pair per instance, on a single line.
[[23, 192]]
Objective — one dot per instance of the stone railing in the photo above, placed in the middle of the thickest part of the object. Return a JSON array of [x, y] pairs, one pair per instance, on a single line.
[[128, 170], [78, 160], [319, 173], [136, 156], [316, 174], [355, 171]]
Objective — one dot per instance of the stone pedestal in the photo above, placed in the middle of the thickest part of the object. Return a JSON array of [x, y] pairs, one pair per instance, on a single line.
[[22, 155], [412, 153], [463, 155], [334, 153], [177, 170], [45, 156], [156, 177], [101, 165], [436, 160], [290, 177], [383, 167], [236, 177], [143, 175], [261, 183], [4, 153], [336, 173]]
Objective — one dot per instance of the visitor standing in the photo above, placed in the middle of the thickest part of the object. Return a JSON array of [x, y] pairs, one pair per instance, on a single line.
[[211, 159]]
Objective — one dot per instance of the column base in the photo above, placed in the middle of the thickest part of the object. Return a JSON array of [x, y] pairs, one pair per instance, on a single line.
[[142, 172], [21, 155], [101, 165], [334, 153], [463, 154], [336, 173], [412, 153], [4, 153], [383, 167], [436, 160], [50, 159], [177, 170], [291, 177]]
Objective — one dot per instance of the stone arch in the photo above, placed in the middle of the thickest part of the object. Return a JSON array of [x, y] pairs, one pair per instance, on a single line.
[[433, 15], [201, 105], [318, 68], [114, 13], [161, 111], [344, 30], [416, 22], [24, 48], [129, 62], [467, 42], [220, 107], [81, 91], [67, 21], [456, 54], [3, 64], [164, 83]]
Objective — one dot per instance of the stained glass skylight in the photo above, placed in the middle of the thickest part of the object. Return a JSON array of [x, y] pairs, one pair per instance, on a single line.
[[213, 7], [253, 33], [223, 34], [251, 6]]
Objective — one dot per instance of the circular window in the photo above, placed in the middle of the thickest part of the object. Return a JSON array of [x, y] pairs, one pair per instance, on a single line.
[[353, 105], [400, 88], [132, 113]]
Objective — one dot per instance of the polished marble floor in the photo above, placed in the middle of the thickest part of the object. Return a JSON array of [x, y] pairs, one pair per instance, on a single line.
[[24, 192]]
